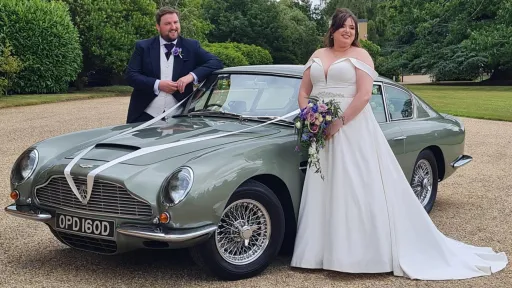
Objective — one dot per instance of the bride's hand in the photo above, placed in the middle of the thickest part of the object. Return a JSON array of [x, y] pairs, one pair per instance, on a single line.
[[334, 128]]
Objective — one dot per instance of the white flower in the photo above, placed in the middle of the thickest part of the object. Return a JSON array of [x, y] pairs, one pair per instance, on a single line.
[[297, 125]]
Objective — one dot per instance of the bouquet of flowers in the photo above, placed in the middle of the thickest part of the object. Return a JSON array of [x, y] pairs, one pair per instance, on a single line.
[[311, 127]]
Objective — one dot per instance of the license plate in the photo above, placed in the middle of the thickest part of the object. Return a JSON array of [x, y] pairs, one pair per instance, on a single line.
[[85, 226]]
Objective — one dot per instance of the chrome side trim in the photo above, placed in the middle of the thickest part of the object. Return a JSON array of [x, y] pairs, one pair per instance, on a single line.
[[175, 236], [461, 161], [28, 213]]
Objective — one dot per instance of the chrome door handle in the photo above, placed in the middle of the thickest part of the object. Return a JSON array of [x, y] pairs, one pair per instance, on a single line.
[[400, 138]]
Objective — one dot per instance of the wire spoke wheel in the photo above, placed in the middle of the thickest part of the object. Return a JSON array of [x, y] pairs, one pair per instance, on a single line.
[[243, 232], [422, 181]]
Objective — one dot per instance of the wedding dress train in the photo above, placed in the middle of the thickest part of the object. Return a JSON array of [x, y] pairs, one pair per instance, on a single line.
[[364, 217]]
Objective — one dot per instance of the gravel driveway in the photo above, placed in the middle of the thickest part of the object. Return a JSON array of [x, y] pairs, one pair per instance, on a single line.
[[474, 206]]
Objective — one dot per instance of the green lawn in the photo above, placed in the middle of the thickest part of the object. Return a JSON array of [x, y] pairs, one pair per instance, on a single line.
[[484, 102], [88, 93]]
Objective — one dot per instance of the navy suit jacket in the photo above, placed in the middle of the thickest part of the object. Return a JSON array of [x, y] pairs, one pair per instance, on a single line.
[[144, 69]]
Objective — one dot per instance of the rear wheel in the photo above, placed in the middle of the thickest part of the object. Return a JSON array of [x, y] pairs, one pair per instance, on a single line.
[[249, 235], [425, 179]]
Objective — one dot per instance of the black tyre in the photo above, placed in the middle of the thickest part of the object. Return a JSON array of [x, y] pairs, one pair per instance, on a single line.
[[425, 178], [248, 237]]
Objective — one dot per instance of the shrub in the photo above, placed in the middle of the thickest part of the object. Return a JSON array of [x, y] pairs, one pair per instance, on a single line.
[[227, 54], [108, 30], [235, 54], [9, 66], [45, 40], [255, 55]]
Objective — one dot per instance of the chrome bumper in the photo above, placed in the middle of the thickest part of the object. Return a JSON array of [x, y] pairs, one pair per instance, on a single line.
[[28, 213], [149, 233], [171, 236], [461, 161]]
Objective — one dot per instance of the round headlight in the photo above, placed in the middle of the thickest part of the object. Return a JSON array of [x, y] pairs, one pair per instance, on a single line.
[[24, 166], [179, 184]]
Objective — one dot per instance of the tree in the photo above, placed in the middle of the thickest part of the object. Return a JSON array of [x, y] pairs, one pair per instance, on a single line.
[[108, 30], [278, 27], [493, 45], [452, 40]]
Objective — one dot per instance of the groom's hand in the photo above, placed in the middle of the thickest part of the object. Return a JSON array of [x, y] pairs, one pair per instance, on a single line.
[[184, 81], [167, 86]]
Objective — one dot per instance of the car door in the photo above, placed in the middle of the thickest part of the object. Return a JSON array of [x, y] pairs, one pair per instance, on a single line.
[[401, 111], [391, 130]]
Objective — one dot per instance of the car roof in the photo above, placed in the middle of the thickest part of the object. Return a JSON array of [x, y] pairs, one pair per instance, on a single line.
[[278, 69]]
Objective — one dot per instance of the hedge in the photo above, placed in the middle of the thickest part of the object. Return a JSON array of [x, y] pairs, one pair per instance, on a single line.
[[45, 41], [9, 65], [238, 54]]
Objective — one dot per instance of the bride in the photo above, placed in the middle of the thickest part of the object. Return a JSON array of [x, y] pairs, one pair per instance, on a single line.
[[364, 217]]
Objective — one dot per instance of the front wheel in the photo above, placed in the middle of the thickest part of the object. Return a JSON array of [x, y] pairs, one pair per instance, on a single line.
[[425, 179], [248, 237]]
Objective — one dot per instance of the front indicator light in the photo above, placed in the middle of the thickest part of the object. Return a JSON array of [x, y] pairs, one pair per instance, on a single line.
[[15, 195], [164, 218]]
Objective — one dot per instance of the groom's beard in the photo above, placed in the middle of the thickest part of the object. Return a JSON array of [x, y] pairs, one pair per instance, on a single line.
[[168, 38]]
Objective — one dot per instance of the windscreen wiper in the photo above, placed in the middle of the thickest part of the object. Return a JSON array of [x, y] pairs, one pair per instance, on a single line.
[[241, 117], [268, 118], [222, 113]]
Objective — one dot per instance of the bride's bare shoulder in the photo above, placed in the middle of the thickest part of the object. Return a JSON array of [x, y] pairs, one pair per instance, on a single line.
[[362, 55], [318, 53]]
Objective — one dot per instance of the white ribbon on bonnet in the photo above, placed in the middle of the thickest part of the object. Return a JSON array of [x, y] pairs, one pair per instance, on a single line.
[[143, 151]]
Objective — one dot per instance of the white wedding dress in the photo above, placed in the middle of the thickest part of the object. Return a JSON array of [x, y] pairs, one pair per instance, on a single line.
[[364, 217]]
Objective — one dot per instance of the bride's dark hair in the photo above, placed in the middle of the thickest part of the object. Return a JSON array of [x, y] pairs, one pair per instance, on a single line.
[[338, 19]]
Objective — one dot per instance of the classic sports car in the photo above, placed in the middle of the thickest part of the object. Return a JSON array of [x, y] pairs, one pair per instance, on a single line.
[[216, 178]]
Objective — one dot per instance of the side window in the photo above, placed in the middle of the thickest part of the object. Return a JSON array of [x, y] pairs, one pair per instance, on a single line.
[[399, 103], [377, 104]]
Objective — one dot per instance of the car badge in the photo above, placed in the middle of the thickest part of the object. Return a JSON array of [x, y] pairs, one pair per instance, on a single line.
[[85, 165], [82, 192]]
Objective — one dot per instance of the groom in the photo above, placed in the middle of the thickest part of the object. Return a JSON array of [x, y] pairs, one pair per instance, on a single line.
[[162, 69]]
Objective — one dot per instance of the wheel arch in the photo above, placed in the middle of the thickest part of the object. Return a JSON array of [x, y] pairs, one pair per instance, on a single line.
[[438, 154], [279, 188]]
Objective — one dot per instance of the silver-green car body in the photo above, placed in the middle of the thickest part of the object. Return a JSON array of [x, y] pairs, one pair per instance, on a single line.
[[128, 199]]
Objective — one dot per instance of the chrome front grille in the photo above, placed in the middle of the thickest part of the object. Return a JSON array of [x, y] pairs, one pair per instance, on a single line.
[[107, 198]]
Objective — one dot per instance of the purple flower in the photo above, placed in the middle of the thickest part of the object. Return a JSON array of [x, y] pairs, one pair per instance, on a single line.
[[176, 51], [322, 107], [311, 117]]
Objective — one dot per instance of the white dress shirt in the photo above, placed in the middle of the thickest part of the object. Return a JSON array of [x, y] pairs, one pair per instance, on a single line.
[[164, 101]]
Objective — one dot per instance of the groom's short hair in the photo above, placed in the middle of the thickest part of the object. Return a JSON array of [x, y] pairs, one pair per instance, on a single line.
[[164, 11]]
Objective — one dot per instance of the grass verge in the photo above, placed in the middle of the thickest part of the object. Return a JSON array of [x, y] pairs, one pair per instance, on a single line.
[[482, 102], [88, 93]]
